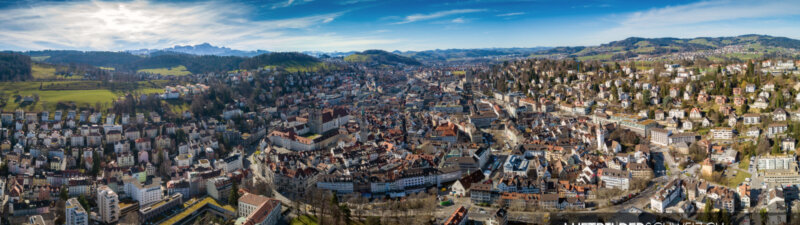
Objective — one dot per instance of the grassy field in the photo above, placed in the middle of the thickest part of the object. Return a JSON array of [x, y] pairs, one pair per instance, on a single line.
[[177, 106], [744, 163], [356, 58], [645, 49], [43, 72], [312, 220], [595, 57], [313, 68], [702, 41], [174, 71], [304, 220], [740, 176], [106, 68], [81, 93], [48, 72], [40, 58]]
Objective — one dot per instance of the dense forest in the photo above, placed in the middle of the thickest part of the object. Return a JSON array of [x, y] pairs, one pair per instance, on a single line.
[[15, 67], [280, 59], [123, 61], [193, 63], [106, 59]]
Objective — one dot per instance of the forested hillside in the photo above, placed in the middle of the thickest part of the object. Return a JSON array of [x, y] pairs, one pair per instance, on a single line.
[[15, 67]]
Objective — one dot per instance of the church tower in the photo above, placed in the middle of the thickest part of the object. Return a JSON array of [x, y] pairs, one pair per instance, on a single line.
[[315, 121], [601, 138]]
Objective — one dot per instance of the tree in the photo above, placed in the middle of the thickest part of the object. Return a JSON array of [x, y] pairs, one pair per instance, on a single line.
[[95, 163], [346, 213], [645, 97], [697, 153], [708, 214], [84, 202], [763, 146], [64, 193], [60, 212], [776, 150], [233, 199], [373, 220], [4, 168], [725, 217]]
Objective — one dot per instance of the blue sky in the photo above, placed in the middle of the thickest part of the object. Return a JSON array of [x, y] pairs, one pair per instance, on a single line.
[[344, 25]]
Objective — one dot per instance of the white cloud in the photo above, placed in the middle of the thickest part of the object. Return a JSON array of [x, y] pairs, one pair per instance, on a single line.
[[435, 15], [706, 18], [350, 2], [100, 25], [710, 11], [511, 14], [458, 20], [288, 3]]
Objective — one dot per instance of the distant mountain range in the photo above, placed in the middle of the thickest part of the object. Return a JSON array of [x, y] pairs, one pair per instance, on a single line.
[[201, 49], [427, 55], [205, 57]]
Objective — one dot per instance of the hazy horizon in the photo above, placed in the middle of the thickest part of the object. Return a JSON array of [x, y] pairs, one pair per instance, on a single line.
[[356, 25]]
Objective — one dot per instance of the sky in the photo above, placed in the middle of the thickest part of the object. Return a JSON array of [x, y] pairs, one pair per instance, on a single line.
[[346, 25]]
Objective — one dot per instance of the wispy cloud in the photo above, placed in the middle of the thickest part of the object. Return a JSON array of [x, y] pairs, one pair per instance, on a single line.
[[101, 25], [436, 15], [511, 14], [706, 18], [288, 3], [350, 2], [458, 20], [710, 11]]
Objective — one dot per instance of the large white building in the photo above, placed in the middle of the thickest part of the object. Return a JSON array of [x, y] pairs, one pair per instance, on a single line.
[[107, 204], [776, 163], [230, 163], [721, 133], [660, 136], [75, 214], [613, 178], [145, 193], [664, 197]]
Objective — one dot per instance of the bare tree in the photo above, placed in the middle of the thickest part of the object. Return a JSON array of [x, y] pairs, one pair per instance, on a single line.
[[130, 219]]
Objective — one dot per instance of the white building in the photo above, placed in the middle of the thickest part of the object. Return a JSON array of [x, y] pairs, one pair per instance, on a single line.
[[75, 214], [107, 204], [612, 178], [231, 163], [659, 136], [145, 193], [723, 133], [776, 163], [664, 197]]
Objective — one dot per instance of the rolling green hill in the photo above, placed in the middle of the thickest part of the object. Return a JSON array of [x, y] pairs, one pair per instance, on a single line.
[[634, 46], [289, 61], [464, 54], [380, 57]]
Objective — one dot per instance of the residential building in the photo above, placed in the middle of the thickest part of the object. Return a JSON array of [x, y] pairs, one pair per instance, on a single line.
[[75, 214], [107, 205]]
